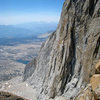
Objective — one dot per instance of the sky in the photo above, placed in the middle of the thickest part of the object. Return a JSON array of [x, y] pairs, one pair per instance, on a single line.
[[24, 11]]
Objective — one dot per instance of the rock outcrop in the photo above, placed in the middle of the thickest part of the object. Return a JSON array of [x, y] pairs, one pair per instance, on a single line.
[[97, 67], [67, 59], [9, 96], [29, 69], [92, 90], [95, 81]]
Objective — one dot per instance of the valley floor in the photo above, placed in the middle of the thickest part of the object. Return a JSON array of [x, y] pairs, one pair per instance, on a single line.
[[14, 58]]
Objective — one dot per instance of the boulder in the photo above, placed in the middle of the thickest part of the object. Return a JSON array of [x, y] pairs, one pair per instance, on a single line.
[[86, 94], [97, 67], [95, 81]]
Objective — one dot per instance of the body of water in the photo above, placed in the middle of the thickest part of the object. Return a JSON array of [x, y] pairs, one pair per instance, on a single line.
[[22, 61]]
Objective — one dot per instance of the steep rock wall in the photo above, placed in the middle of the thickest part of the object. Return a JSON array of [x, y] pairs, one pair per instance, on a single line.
[[66, 60]]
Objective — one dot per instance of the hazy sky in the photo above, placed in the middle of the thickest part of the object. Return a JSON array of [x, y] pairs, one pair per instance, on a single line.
[[23, 11]]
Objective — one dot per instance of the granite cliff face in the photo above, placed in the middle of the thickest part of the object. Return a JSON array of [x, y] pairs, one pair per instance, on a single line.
[[66, 60]]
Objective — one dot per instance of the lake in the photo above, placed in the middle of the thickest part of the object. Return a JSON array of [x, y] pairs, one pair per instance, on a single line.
[[22, 61]]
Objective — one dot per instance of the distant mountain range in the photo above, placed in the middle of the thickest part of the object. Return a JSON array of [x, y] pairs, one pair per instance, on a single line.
[[27, 29]]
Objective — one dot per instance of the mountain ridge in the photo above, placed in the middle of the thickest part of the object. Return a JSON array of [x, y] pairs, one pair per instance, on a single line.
[[66, 60], [26, 30]]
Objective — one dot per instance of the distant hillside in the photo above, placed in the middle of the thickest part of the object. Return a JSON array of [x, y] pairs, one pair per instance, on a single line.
[[27, 29]]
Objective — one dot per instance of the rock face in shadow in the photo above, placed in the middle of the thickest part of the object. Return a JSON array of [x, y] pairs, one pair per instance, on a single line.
[[66, 60], [8, 96], [29, 69]]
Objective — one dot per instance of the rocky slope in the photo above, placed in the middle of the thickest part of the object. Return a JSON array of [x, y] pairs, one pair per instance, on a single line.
[[66, 60], [18, 88]]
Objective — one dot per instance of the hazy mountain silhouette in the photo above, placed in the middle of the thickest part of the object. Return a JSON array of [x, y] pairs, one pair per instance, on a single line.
[[27, 29]]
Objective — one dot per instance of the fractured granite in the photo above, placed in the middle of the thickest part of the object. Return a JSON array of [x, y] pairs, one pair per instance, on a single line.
[[66, 60]]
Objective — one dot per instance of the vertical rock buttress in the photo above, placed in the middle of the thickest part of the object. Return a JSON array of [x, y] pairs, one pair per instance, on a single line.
[[66, 60]]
